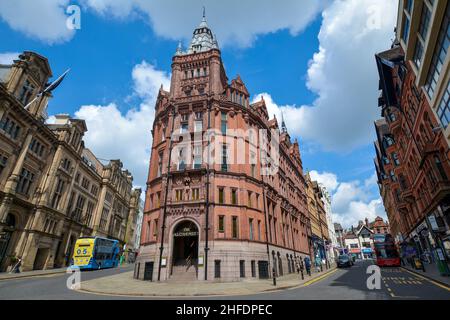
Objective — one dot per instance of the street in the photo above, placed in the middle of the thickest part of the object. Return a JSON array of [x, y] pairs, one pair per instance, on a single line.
[[340, 284]]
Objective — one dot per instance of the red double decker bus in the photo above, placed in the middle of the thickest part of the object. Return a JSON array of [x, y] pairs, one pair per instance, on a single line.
[[386, 251]]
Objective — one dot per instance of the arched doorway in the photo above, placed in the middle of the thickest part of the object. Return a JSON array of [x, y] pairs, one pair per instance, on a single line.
[[185, 250], [5, 237]]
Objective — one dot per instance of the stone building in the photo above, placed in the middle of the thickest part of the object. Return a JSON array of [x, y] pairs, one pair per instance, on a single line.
[[412, 149], [222, 220], [53, 190], [319, 236]]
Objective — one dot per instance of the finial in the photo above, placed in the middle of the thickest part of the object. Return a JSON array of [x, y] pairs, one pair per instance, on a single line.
[[204, 12]]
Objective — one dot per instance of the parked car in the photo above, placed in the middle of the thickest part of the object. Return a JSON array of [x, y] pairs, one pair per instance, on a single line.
[[344, 261]]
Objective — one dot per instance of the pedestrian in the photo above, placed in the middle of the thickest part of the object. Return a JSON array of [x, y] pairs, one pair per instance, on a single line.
[[317, 264], [308, 265], [17, 266]]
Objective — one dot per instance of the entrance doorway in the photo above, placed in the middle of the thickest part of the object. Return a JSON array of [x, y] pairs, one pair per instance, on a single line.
[[185, 249], [41, 258]]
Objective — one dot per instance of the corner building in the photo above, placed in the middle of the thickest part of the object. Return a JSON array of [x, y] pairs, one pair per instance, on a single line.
[[223, 221]]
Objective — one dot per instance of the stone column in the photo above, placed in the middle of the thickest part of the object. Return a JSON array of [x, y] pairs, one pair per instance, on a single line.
[[11, 183]]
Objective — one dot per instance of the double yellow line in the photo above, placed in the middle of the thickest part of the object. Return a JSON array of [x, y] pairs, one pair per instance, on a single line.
[[319, 278]]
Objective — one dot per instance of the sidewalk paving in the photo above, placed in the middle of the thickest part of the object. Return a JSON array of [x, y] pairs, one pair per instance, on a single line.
[[124, 284], [431, 272], [29, 274]]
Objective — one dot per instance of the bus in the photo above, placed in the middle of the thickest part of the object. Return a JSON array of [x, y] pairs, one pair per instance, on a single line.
[[386, 251], [95, 253]]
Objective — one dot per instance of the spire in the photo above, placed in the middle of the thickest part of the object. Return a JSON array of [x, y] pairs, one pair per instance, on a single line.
[[179, 49], [203, 39]]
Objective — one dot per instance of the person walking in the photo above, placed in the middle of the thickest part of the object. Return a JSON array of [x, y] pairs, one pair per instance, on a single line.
[[308, 265], [317, 263]]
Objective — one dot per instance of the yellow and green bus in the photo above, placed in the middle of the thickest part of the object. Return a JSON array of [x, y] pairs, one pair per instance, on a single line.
[[95, 253]]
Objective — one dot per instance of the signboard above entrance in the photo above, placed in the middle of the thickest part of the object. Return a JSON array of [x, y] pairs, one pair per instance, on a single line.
[[186, 232]]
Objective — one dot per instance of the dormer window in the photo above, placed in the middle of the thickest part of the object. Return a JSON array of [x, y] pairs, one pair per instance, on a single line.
[[26, 92]]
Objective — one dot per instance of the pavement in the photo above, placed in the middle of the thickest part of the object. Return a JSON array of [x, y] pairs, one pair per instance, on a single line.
[[431, 272], [337, 284], [29, 274], [124, 285]]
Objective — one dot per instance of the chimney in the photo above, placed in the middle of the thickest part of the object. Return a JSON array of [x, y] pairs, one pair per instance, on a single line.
[[367, 222]]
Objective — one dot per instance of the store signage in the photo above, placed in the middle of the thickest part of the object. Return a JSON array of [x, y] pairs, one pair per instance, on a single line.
[[433, 222], [186, 232]]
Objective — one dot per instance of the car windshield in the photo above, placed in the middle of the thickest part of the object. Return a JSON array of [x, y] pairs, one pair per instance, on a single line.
[[343, 257]]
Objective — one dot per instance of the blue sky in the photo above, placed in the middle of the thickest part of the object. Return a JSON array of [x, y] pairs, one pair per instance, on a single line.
[[305, 61]]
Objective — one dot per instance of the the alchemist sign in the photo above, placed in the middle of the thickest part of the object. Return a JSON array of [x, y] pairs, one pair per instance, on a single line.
[[186, 232]]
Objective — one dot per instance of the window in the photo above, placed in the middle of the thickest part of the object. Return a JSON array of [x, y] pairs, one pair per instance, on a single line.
[[222, 224], [395, 159], [58, 193], [79, 207], [405, 33], [36, 147], [259, 230], [155, 228], [440, 168], [3, 161], [422, 36], [249, 198], [235, 228], [178, 195], [197, 156], [104, 218], [10, 127], [443, 109], [181, 162], [89, 210], [253, 264], [242, 268], [224, 158], [184, 128], [25, 182], [160, 163], [158, 199], [250, 223], [221, 196], [77, 178], [234, 200], [85, 183], [198, 126], [26, 92], [439, 55], [195, 194], [216, 269], [94, 190], [224, 123], [353, 246]]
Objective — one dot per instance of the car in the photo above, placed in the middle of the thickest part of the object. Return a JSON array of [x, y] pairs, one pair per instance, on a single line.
[[344, 261]]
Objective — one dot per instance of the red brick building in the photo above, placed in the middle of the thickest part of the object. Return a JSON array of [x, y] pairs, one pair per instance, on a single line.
[[412, 152], [221, 221]]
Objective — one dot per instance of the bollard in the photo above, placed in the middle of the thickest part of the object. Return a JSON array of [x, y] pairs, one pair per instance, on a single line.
[[274, 277], [303, 278]]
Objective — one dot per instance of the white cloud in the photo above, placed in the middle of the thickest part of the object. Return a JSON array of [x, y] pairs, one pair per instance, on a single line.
[[327, 179], [343, 75], [112, 134], [235, 22], [351, 201], [44, 20], [8, 57]]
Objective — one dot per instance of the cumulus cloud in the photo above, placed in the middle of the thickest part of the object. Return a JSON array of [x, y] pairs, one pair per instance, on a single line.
[[44, 20], [8, 57], [235, 22], [343, 75], [351, 201], [112, 134]]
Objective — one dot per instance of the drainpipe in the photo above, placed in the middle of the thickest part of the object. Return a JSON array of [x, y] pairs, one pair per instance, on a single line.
[[163, 227], [207, 199]]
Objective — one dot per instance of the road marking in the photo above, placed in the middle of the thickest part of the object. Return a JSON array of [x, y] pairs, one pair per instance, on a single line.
[[319, 278], [433, 282]]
